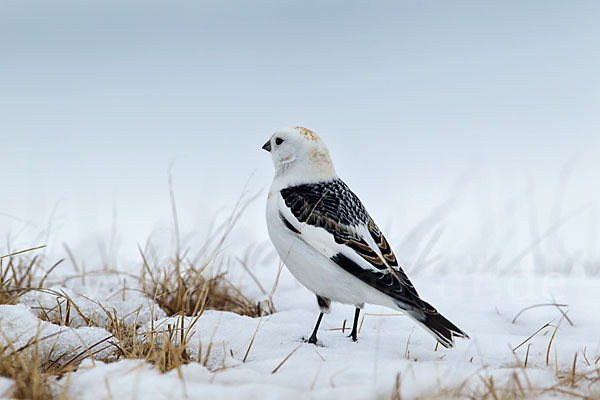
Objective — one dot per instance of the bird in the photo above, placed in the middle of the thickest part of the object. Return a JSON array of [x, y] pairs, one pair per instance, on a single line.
[[329, 242]]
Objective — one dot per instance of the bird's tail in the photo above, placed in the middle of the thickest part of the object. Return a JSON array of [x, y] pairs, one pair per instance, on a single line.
[[438, 326]]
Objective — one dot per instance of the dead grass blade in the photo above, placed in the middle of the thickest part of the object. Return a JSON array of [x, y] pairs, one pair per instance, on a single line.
[[21, 252], [539, 305], [285, 359], [551, 339], [535, 333]]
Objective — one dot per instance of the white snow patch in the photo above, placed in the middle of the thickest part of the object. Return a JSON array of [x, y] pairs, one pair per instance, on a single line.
[[6, 387], [21, 329]]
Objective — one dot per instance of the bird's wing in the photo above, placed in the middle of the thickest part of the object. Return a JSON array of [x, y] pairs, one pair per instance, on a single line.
[[329, 217]]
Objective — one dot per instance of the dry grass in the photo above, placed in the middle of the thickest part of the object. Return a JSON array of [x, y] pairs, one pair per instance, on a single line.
[[165, 347], [185, 285], [20, 274], [34, 375], [26, 369], [181, 287], [566, 384], [23, 365]]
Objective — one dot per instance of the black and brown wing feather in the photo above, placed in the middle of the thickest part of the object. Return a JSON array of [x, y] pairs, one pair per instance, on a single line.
[[334, 207]]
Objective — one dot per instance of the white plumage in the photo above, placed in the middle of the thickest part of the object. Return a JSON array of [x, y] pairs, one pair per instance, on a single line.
[[328, 241]]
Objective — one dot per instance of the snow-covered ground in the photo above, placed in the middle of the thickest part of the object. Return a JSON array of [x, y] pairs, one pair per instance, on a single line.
[[392, 354]]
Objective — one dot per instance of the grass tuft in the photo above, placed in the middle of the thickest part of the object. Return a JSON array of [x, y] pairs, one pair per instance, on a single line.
[[19, 275], [27, 372], [180, 288]]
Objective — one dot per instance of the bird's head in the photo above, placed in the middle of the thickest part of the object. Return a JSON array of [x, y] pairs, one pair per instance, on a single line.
[[300, 155]]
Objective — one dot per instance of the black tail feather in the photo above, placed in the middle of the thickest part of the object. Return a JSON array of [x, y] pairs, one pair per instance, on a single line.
[[437, 325]]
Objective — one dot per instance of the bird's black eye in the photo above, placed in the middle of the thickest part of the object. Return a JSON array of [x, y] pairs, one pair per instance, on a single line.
[[278, 141]]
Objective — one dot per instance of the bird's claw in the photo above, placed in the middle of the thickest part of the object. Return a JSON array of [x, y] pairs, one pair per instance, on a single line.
[[311, 340]]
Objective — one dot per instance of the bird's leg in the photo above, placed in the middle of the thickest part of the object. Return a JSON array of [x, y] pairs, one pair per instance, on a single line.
[[325, 306], [313, 337], [355, 327]]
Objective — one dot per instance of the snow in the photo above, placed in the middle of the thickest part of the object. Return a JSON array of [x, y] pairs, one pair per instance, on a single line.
[[19, 328], [388, 345], [5, 386]]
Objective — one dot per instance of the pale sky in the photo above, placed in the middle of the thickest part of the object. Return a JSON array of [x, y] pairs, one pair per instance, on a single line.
[[97, 99]]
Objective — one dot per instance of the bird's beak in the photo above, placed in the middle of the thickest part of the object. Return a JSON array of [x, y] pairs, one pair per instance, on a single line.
[[267, 146]]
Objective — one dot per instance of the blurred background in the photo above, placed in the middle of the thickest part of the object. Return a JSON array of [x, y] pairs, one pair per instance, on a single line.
[[471, 130]]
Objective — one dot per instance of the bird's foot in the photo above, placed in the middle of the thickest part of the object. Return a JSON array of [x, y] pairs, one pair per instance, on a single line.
[[353, 336], [312, 340]]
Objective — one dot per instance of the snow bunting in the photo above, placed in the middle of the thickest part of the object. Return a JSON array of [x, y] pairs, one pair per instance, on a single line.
[[330, 243]]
